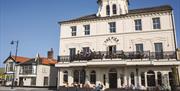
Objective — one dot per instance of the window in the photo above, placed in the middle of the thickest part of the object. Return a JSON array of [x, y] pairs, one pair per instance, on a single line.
[[87, 29], [76, 76], [86, 50], [139, 48], [72, 53], [112, 27], [79, 76], [114, 9], [33, 81], [132, 78], [138, 24], [159, 76], [65, 76], [112, 49], [73, 28], [28, 70], [107, 10], [93, 77], [151, 78], [45, 81], [142, 79], [104, 80], [156, 23], [158, 50], [122, 79], [10, 66]]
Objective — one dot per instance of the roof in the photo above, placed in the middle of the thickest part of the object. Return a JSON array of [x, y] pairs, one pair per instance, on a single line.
[[40, 60], [19, 59], [131, 12], [47, 61]]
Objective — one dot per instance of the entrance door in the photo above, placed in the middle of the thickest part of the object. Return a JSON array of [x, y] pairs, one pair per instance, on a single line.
[[113, 78], [21, 81]]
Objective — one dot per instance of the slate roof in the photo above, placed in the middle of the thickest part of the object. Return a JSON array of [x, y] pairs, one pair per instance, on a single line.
[[131, 12]]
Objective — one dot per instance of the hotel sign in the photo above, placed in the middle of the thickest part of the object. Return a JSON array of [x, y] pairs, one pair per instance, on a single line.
[[110, 39]]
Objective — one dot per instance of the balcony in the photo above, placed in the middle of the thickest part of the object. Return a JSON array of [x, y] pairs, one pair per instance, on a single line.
[[119, 55]]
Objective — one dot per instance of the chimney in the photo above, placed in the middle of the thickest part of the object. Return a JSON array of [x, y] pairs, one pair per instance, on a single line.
[[50, 54]]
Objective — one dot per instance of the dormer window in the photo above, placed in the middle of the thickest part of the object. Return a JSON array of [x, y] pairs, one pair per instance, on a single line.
[[114, 9], [107, 10]]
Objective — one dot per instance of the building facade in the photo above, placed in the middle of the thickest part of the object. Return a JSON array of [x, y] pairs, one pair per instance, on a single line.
[[33, 72], [118, 47]]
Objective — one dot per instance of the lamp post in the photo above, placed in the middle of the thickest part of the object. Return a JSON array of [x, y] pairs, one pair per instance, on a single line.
[[12, 43]]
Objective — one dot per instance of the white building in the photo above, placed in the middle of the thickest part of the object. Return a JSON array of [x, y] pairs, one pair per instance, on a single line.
[[32, 72], [118, 47]]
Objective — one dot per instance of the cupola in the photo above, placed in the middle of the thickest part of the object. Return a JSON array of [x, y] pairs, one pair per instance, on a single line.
[[112, 7]]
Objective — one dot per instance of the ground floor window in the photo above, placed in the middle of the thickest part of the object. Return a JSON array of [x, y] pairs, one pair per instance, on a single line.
[[171, 82], [93, 77], [122, 79], [104, 79], [142, 79], [132, 78], [159, 76], [65, 76], [151, 78], [45, 81], [79, 76], [33, 81]]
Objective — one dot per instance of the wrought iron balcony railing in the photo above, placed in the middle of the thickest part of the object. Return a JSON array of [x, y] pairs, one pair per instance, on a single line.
[[118, 55]]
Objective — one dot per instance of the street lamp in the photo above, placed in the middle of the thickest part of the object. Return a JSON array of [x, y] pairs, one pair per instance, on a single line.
[[12, 43]]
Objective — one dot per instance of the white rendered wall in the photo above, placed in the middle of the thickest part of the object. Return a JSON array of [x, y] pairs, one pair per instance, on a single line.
[[125, 32]]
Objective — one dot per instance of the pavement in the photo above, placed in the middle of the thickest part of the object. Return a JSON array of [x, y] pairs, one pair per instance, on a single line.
[[2, 88]]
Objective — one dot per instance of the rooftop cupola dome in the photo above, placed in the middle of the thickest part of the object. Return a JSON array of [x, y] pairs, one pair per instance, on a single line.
[[112, 7]]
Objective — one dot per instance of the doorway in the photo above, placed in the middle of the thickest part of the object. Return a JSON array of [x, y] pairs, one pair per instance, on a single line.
[[21, 83], [112, 78]]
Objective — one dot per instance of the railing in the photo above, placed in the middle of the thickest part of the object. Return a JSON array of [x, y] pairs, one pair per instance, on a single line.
[[27, 73], [118, 55]]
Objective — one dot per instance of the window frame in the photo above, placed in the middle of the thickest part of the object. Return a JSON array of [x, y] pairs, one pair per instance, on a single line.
[[114, 7], [132, 75], [46, 81], [156, 23], [65, 76], [138, 24], [107, 10], [112, 27], [139, 47], [87, 29], [73, 30], [93, 77]]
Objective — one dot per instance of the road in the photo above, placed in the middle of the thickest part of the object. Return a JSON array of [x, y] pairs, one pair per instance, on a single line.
[[24, 89]]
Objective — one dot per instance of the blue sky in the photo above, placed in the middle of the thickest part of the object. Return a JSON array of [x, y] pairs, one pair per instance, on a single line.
[[34, 22]]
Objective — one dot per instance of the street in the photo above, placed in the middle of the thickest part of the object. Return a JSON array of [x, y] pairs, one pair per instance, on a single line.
[[24, 89]]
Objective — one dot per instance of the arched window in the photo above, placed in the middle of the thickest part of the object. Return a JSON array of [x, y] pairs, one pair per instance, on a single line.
[[159, 76], [132, 78], [114, 9], [93, 77], [65, 76], [107, 10], [142, 79], [151, 78]]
